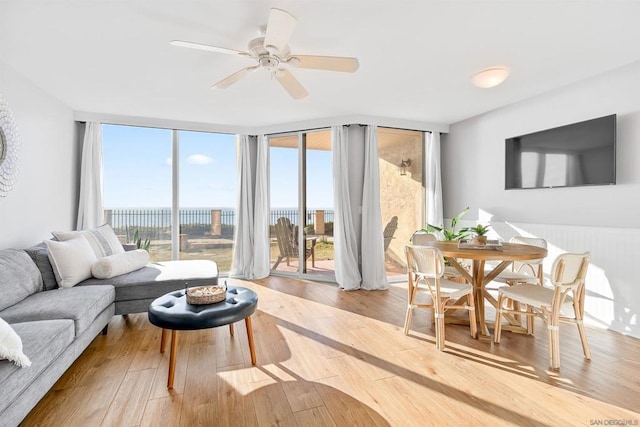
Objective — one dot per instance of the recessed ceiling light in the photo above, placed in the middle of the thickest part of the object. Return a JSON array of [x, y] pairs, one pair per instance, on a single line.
[[490, 77]]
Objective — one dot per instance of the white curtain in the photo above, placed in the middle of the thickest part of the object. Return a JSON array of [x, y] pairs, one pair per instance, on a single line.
[[374, 275], [242, 264], [90, 209], [261, 250], [345, 239], [434, 180]]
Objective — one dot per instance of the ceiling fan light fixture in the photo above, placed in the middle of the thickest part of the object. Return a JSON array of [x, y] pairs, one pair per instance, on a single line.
[[490, 77]]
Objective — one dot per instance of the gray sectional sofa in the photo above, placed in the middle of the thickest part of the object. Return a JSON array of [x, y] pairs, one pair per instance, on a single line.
[[57, 324]]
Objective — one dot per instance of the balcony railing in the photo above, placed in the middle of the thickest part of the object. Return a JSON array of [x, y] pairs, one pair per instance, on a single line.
[[155, 223]]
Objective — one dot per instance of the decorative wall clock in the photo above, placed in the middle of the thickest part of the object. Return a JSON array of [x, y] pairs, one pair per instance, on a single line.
[[9, 149]]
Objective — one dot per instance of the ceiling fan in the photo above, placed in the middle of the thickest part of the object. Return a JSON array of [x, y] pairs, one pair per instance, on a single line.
[[272, 53]]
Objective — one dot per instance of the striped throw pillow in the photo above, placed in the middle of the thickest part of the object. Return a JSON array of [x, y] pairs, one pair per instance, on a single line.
[[103, 240]]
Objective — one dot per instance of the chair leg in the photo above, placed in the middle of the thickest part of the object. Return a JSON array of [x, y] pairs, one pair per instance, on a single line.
[[517, 306], [407, 319], [551, 347], [583, 338], [277, 262], [473, 323], [440, 331], [556, 339], [554, 346], [530, 321], [498, 326], [410, 294], [578, 310]]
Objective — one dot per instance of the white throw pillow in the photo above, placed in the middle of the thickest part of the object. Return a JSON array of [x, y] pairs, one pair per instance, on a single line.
[[115, 265], [11, 346], [103, 240], [71, 260]]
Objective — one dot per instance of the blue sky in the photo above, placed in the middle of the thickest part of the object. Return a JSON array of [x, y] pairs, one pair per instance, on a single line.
[[137, 170]]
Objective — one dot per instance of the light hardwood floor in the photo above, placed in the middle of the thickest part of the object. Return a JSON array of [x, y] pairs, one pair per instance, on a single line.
[[332, 358]]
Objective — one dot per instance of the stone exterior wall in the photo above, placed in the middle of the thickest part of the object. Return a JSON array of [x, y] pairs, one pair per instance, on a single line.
[[401, 195]]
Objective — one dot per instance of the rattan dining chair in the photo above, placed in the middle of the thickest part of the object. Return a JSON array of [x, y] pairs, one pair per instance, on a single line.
[[426, 267], [524, 272], [567, 277], [419, 238]]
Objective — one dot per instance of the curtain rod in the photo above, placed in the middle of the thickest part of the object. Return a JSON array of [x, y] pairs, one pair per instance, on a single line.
[[348, 125]]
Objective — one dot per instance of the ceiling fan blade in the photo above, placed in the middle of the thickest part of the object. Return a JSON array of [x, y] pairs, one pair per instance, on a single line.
[[279, 29], [291, 84], [329, 63], [208, 48], [228, 81]]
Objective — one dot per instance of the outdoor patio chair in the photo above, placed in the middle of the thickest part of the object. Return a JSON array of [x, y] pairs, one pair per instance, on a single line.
[[288, 243], [389, 231]]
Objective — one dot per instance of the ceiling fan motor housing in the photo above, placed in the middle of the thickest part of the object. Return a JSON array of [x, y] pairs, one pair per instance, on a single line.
[[269, 62]]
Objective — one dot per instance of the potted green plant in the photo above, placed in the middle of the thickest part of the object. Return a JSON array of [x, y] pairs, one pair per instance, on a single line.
[[450, 233], [141, 244], [480, 232]]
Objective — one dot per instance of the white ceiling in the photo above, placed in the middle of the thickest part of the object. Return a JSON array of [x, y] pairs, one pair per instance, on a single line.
[[416, 57]]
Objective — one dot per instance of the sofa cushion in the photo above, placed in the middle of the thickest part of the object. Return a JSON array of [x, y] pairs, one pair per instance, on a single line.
[[80, 304], [158, 278], [19, 277], [40, 255], [117, 264], [71, 260], [103, 239], [43, 342]]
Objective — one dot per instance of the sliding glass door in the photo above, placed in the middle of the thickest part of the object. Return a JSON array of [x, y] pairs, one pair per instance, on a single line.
[[301, 214], [318, 201]]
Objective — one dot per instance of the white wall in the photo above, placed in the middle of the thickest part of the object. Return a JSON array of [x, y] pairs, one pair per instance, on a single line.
[[600, 219], [45, 195]]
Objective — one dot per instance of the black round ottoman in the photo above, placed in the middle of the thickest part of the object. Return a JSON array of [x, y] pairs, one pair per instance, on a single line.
[[171, 311]]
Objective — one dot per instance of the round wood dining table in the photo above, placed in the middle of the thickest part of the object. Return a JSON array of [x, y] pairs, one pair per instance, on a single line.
[[506, 253]]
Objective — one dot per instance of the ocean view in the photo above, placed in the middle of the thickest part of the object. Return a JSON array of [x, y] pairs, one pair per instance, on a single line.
[[154, 223]]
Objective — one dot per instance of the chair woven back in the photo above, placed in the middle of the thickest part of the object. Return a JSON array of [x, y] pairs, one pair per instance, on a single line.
[[422, 238], [570, 270], [531, 241], [424, 261]]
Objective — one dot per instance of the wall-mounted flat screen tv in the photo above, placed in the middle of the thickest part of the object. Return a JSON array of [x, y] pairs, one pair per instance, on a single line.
[[578, 154]]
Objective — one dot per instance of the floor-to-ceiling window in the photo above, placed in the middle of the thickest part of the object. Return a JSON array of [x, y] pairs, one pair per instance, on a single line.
[[139, 191], [401, 163], [301, 214], [137, 185], [208, 193]]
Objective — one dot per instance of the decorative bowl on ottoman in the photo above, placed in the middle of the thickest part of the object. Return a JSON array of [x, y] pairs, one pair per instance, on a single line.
[[206, 294]]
